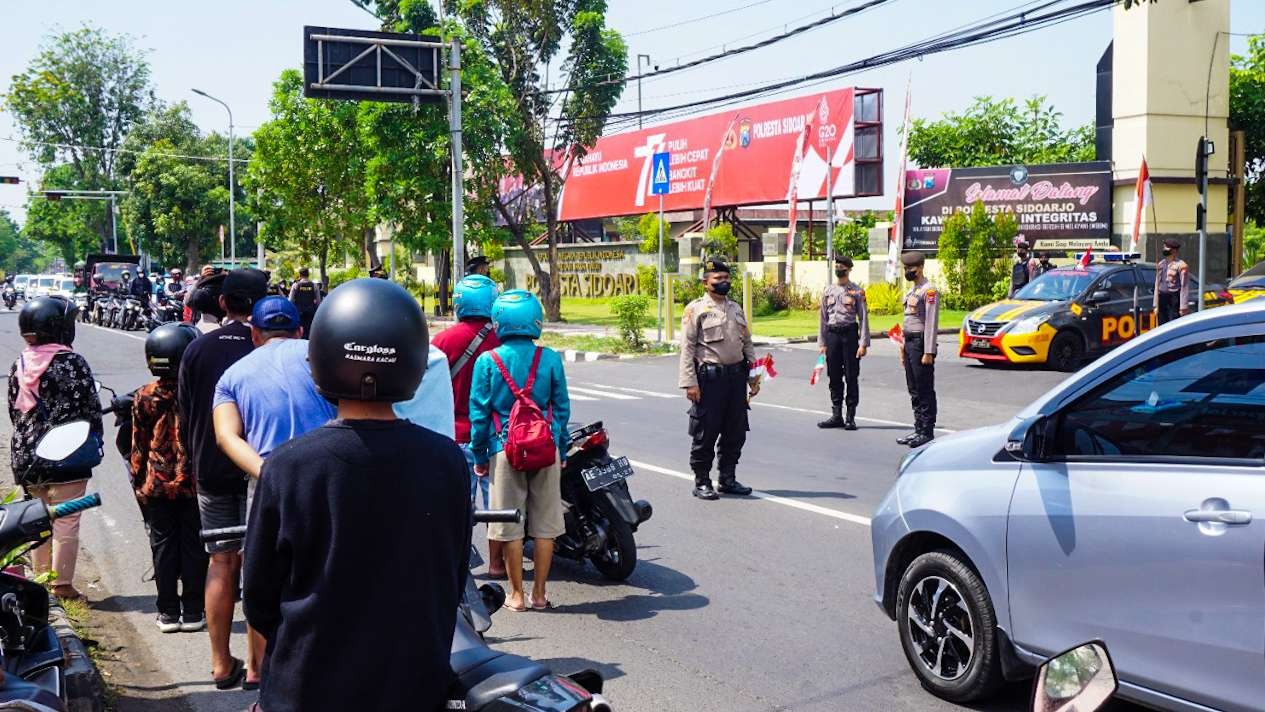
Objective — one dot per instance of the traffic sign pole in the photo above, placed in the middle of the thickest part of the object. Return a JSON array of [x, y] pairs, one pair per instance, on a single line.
[[661, 185], [660, 272]]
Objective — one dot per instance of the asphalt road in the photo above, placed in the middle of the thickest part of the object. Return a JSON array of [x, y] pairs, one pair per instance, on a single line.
[[760, 603]]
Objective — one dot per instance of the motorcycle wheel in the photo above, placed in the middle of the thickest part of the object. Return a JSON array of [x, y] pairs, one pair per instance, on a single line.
[[618, 557]]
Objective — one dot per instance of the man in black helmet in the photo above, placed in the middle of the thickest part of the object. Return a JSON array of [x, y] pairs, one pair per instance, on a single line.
[[366, 494]]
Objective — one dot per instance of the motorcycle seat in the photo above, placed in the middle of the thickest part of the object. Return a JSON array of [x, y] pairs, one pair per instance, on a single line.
[[487, 675]]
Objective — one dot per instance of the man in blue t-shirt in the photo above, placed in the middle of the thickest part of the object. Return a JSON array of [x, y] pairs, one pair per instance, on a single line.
[[268, 397]]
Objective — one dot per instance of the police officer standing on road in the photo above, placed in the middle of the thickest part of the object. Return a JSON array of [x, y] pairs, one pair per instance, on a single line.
[[844, 337], [1172, 284], [922, 316], [306, 297], [1025, 268], [716, 358]]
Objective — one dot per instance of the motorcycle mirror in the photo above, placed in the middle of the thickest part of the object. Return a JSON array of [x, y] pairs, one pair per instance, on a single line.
[[1079, 680], [62, 441]]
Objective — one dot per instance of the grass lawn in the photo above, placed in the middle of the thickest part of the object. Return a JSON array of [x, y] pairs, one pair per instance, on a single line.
[[805, 323], [604, 344]]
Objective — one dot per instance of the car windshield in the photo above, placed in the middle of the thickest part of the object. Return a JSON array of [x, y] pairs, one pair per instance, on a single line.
[[1248, 280], [112, 272], [46, 282], [68, 285], [21, 279], [1056, 286]]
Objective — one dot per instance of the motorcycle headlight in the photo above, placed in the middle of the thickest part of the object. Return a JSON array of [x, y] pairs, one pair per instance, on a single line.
[[1027, 325]]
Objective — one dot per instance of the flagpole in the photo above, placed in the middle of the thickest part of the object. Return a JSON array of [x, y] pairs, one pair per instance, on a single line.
[[897, 240]]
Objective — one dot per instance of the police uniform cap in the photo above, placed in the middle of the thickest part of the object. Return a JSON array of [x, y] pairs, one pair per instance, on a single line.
[[843, 260], [476, 261], [1173, 244], [913, 259], [714, 264]]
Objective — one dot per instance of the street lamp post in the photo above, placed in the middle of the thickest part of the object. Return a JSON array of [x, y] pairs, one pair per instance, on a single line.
[[232, 217], [639, 58]]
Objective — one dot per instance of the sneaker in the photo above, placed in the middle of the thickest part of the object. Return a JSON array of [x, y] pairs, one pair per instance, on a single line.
[[193, 623], [168, 624]]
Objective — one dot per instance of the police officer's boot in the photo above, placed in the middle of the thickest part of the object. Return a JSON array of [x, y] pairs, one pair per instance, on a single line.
[[703, 488], [907, 439], [835, 420], [730, 485], [923, 436], [850, 423]]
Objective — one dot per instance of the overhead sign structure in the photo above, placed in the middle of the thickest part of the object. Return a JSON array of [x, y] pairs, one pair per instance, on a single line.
[[1059, 206], [616, 177], [660, 184], [371, 66]]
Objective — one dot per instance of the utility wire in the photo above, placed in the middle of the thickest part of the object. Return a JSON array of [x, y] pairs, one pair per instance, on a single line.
[[695, 19], [122, 150]]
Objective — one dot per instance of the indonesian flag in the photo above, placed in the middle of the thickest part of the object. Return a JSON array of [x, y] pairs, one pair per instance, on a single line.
[[221, 235], [792, 193], [896, 334], [898, 215], [1142, 197], [763, 368], [1083, 264], [817, 369], [725, 140]]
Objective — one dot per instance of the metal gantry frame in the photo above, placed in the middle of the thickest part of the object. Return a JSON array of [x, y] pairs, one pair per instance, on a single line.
[[57, 194]]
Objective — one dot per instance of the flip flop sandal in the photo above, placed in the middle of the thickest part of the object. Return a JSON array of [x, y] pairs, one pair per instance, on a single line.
[[509, 607], [496, 575], [535, 606], [234, 678], [250, 685]]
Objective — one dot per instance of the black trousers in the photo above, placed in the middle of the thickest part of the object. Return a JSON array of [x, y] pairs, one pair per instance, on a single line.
[[1170, 307], [179, 560], [921, 381], [305, 318], [721, 414], [842, 364]]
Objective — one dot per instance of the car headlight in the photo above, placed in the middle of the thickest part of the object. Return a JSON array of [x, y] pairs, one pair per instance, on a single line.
[[1027, 325], [908, 460]]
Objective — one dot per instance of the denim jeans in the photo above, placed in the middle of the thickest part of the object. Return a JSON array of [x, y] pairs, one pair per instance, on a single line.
[[477, 483]]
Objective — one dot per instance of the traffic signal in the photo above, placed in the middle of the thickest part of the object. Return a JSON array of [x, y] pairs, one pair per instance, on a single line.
[[1201, 161], [9, 180]]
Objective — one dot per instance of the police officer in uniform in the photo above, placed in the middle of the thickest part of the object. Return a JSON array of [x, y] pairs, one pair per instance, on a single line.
[[922, 315], [1025, 268], [1043, 263], [844, 337], [305, 296], [716, 358], [1172, 284]]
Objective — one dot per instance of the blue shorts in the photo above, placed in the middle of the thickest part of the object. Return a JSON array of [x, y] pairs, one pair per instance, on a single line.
[[477, 483]]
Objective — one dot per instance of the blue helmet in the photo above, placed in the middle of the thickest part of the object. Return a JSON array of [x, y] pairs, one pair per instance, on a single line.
[[518, 313], [473, 296]]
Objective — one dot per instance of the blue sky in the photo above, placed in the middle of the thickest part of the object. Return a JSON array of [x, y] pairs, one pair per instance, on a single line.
[[234, 49]]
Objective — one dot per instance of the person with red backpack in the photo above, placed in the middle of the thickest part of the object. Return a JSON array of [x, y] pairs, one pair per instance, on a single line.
[[519, 411]]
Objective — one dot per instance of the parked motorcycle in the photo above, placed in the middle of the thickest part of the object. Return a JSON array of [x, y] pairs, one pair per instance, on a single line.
[[601, 516], [485, 680], [100, 309], [32, 656], [133, 316], [10, 297]]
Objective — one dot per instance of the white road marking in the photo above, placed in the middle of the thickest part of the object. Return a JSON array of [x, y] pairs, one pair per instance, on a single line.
[[823, 412], [653, 394], [575, 397], [116, 331], [785, 501], [604, 394]]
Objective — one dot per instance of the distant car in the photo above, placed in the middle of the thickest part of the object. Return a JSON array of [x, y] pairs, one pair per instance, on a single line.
[[1065, 316], [40, 286], [1126, 505], [19, 284], [63, 287]]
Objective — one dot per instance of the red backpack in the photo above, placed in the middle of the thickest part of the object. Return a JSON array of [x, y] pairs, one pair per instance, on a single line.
[[529, 441]]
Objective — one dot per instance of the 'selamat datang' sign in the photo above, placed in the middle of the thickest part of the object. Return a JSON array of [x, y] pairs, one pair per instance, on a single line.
[[1063, 205]]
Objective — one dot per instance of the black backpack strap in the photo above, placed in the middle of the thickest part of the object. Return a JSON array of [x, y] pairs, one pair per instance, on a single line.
[[468, 354]]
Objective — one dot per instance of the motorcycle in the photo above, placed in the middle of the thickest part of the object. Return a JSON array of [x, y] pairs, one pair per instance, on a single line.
[[132, 316], [601, 516], [100, 309], [10, 297], [485, 680], [30, 652], [80, 300]]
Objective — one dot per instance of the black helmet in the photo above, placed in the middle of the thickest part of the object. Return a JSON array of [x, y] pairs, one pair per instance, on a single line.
[[165, 345], [51, 320], [368, 342]]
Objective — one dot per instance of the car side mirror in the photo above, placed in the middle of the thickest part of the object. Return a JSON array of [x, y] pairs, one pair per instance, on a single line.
[[1031, 439], [1099, 296], [1081, 680]]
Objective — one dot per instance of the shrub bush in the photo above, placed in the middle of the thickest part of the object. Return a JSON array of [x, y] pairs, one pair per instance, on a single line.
[[648, 280], [631, 310], [973, 254], [339, 276], [686, 290], [884, 298]]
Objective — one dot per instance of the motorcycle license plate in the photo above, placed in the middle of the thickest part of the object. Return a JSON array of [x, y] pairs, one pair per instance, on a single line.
[[603, 476], [981, 344]]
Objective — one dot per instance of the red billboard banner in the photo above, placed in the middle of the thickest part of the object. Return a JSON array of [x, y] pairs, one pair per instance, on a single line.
[[614, 177]]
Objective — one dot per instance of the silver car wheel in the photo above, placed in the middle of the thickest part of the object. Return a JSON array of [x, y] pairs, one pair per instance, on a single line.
[[941, 627]]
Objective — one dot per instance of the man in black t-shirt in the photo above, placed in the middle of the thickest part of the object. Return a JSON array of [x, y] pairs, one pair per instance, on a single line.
[[360, 530], [221, 484]]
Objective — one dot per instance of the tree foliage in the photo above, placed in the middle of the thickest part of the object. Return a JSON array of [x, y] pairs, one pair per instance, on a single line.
[[999, 132], [973, 252], [18, 253], [73, 106], [67, 226], [1247, 113], [648, 228], [720, 241]]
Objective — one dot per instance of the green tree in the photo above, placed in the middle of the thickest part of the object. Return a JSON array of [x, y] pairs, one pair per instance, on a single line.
[[18, 253], [73, 106], [720, 240], [307, 174], [1247, 113], [65, 226], [1253, 243], [999, 132], [973, 252], [648, 226]]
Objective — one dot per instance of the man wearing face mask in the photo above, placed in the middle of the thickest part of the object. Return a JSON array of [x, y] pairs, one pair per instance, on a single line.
[[843, 337], [716, 354], [1043, 263], [922, 315], [1172, 284], [1025, 268]]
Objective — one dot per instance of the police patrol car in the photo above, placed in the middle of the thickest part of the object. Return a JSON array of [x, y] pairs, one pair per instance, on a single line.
[[1247, 287], [1067, 314]]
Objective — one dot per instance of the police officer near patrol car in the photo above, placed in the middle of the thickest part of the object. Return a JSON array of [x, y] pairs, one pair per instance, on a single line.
[[716, 358], [1025, 269], [1172, 284], [922, 316], [843, 337]]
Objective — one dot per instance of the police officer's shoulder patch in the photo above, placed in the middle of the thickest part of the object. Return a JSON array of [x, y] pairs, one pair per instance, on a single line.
[[931, 296]]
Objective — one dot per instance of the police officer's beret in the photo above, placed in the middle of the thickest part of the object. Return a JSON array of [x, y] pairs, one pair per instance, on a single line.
[[1173, 244], [843, 260], [714, 264], [913, 259]]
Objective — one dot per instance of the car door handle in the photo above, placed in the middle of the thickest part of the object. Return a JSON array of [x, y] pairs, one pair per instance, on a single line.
[[1218, 516]]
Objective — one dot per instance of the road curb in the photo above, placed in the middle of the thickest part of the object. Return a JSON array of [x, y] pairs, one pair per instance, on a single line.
[[84, 689]]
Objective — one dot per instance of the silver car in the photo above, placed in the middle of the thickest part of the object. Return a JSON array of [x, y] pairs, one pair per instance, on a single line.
[[1127, 505]]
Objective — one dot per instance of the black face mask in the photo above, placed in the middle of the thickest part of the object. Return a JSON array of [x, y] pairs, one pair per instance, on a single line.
[[721, 288], [911, 274], [841, 273], [1168, 252]]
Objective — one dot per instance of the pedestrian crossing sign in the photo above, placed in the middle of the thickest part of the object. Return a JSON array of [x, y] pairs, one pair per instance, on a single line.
[[661, 170]]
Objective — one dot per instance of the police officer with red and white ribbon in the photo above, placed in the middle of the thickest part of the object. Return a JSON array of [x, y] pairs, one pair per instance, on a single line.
[[918, 355]]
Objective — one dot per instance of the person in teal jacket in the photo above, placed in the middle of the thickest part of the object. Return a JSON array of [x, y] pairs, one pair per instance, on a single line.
[[518, 317]]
